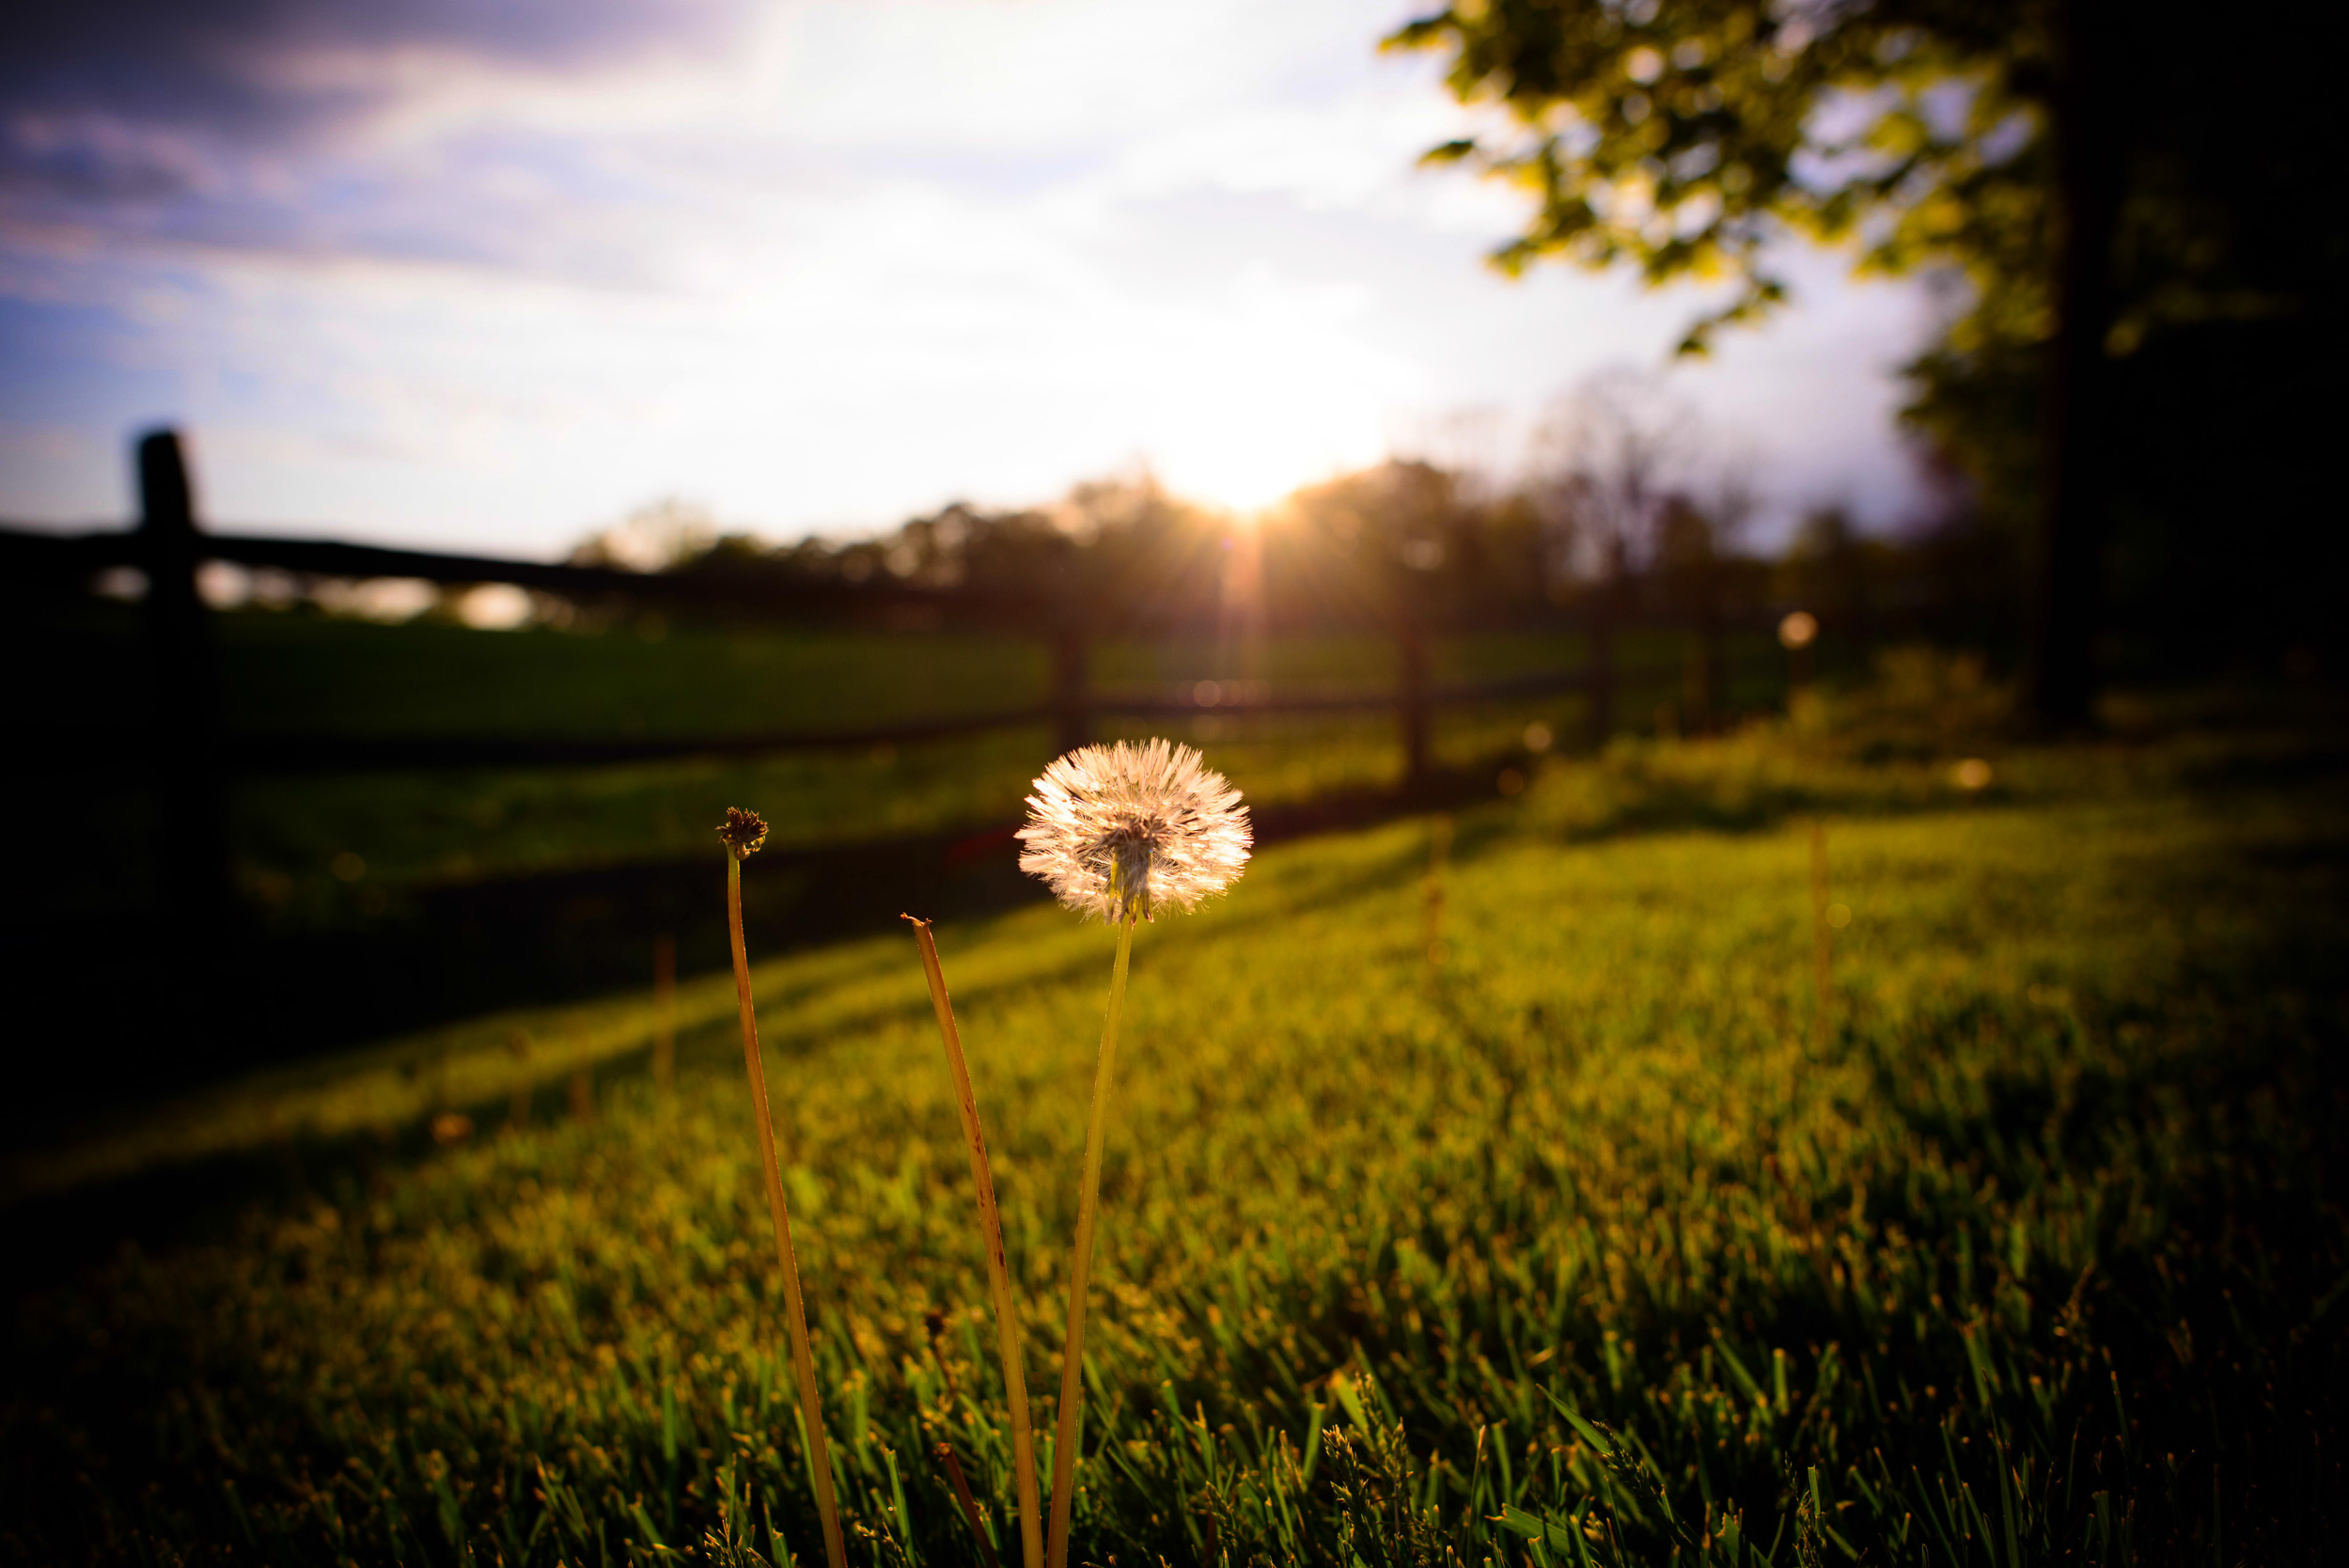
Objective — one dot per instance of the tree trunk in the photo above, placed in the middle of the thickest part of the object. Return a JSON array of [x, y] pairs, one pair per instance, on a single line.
[[2067, 554]]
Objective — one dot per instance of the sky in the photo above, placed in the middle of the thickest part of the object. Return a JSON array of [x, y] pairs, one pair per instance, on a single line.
[[454, 275]]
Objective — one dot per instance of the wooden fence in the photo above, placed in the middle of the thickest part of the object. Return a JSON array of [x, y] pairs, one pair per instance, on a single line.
[[191, 757]]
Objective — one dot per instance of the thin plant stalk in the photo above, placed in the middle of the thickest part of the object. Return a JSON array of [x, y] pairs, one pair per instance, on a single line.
[[1439, 846], [999, 1270], [664, 1014], [944, 1454], [803, 1357], [1822, 942], [1081, 1266], [518, 1110]]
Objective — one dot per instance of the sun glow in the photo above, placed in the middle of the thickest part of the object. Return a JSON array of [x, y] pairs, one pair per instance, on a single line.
[[1265, 384], [1244, 484], [1247, 432]]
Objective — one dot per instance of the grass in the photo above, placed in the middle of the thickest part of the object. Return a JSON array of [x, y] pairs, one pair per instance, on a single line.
[[320, 851], [1573, 1251]]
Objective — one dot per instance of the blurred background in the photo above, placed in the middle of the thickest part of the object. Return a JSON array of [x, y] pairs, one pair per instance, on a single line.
[[452, 452]]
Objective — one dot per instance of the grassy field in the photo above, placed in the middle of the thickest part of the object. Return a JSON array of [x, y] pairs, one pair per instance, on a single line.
[[1592, 1244], [319, 850]]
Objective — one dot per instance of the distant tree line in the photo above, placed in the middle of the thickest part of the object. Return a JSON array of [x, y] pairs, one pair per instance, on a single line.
[[1613, 515]]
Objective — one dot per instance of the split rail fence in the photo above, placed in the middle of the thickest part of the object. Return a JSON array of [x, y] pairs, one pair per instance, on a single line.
[[192, 757]]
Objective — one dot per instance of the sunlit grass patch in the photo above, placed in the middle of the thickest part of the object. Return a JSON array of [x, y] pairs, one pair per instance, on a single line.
[[1576, 1245]]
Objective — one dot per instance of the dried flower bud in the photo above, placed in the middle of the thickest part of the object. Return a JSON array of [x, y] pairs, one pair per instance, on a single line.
[[743, 832]]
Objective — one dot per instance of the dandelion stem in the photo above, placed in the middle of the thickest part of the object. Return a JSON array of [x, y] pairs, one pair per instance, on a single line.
[[803, 1357], [1081, 1266], [998, 1271]]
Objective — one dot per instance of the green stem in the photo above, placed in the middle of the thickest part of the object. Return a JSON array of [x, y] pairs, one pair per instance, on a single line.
[[1822, 943], [802, 1356], [1081, 1268], [999, 1270]]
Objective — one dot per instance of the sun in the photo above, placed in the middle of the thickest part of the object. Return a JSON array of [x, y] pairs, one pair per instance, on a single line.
[[1241, 478], [1269, 401]]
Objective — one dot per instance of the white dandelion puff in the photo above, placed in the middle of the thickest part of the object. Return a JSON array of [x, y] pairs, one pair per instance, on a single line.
[[1121, 831]]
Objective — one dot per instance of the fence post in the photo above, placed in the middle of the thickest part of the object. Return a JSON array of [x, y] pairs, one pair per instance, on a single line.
[[1412, 702], [1072, 707], [1700, 680], [1713, 647], [1602, 635], [1716, 674], [193, 855]]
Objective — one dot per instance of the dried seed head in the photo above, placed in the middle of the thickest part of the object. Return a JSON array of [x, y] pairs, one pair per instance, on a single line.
[[743, 832], [1121, 831]]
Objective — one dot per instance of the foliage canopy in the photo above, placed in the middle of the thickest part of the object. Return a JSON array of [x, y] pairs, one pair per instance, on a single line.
[[1967, 139], [1684, 137]]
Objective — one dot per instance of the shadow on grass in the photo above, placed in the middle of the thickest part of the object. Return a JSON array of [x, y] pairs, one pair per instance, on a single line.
[[465, 951], [169, 1009]]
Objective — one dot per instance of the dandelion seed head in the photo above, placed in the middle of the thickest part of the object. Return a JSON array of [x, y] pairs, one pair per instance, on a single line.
[[743, 832], [1123, 831]]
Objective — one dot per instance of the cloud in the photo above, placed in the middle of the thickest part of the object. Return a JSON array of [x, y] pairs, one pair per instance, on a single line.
[[120, 107], [253, 68]]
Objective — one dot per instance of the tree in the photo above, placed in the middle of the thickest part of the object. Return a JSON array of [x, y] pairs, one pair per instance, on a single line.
[[1607, 455], [655, 538], [2095, 178]]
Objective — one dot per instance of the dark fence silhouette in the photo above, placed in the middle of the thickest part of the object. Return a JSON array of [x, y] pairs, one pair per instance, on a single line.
[[194, 756], [213, 989]]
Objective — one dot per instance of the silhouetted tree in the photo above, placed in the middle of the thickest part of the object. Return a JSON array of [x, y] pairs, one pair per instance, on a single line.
[[2102, 179], [1607, 457]]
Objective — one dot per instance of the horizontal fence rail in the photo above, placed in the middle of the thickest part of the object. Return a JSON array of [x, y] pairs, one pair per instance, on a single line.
[[321, 754], [191, 753], [32, 553], [305, 754]]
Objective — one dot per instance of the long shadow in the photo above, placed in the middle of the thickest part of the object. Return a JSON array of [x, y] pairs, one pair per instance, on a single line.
[[139, 1009], [460, 951], [145, 1008], [588, 932]]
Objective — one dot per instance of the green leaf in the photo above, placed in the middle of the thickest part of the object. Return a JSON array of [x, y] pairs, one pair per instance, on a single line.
[[1532, 1526], [1588, 1433]]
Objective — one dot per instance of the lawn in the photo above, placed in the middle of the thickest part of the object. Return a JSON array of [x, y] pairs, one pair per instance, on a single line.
[[1594, 1243], [314, 850]]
